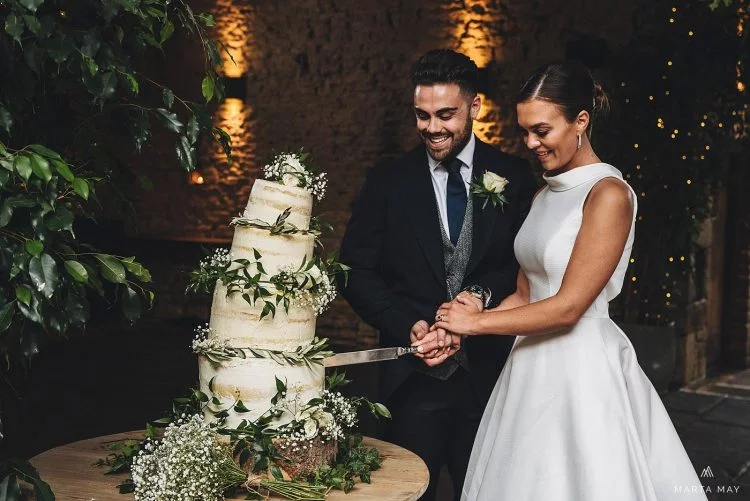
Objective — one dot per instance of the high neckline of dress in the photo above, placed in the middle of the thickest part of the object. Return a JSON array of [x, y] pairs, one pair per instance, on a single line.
[[579, 175]]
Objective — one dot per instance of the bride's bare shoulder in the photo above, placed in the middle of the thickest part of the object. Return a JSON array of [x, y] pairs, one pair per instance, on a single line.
[[610, 195]]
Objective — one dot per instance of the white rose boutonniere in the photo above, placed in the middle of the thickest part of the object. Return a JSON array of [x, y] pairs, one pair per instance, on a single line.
[[491, 189]]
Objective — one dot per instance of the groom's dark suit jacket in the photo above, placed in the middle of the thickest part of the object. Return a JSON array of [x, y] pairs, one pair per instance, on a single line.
[[393, 245]]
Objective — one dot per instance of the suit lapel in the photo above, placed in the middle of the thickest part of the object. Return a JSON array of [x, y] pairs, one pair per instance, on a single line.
[[423, 212], [484, 219]]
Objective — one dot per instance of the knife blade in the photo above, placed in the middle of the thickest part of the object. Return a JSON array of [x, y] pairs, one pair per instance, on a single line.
[[367, 356]]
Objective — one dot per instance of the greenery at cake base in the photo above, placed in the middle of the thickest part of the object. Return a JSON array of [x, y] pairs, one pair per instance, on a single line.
[[192, 455]]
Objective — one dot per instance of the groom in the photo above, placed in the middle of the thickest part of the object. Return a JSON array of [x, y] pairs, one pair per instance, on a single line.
[[416, 238]]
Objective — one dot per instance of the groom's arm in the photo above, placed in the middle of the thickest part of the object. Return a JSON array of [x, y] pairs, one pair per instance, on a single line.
[[502, 281], [362, 249]]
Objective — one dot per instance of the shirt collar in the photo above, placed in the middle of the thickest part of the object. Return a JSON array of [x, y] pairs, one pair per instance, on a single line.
[[466, 155]]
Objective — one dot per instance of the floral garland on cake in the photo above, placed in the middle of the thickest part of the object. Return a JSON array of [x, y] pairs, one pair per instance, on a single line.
[[312, 283], [217, 351]]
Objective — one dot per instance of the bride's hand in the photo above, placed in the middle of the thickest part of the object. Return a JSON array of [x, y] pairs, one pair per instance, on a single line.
[[459, 316], [466, 298]]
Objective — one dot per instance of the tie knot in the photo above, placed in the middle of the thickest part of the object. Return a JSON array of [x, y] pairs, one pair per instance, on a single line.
[[453, 165]]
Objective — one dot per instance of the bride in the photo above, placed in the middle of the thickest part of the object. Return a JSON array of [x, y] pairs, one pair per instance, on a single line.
[[572, 416]]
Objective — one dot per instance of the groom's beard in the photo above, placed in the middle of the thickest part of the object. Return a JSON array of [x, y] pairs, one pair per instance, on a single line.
[[459, 140]]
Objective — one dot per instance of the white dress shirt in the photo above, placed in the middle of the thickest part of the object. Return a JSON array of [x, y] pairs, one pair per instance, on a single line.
[[440, 178]]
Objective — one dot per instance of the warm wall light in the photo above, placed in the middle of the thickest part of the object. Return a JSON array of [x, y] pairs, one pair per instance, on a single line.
[[196, 178]]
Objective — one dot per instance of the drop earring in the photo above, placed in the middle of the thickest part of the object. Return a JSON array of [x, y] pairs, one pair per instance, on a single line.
[[579, 141]]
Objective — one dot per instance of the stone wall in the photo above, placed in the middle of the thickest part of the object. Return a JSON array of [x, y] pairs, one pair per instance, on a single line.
[[333, 77]]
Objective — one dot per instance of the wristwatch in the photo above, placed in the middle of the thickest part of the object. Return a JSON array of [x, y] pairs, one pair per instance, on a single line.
[[484, 294]]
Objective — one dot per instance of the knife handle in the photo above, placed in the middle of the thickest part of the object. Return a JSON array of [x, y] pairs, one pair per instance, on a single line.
[[407, 350]]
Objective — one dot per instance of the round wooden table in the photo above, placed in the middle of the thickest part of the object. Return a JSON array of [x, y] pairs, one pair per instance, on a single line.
[[70, 471]]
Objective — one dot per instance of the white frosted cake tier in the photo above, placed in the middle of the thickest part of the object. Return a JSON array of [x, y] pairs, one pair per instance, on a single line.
[[269, 199], [253, 380], [276, 251], [235, 320]]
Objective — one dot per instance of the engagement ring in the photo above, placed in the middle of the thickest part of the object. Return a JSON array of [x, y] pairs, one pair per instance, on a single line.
[[439, 318]]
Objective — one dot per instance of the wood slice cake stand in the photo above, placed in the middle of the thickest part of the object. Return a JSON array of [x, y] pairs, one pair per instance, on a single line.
[[70, 471]]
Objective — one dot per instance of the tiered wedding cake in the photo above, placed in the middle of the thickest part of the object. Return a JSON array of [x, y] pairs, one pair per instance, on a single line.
[[265, 418], [238, 324]]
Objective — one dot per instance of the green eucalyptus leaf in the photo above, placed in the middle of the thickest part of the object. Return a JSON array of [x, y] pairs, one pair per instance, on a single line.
[[132, 82], [6, 120], [4, 177], [40, 167], [23, 294], [207, 87], [44, 151], [60, 48], [171, 120], [186, 154], [32, 5], [62, 219], [43, 273], [64, 170], [34, 247], [131, 304], [193, 128], [91, 44], [105, 85], [382, 410], [6, 316], [207, 20], [22, 165], [29, 474], [10, 490], [81, 187], [138, 270], [167, 97], [111, 268], [14, 26], [77, 271], [33, 24], [166, 31]]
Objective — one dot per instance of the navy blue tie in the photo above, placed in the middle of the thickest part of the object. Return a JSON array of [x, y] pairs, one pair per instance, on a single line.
[[456, 198]]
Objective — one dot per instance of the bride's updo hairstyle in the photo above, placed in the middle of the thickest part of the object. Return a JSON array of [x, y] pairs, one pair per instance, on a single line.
[[570, 86]]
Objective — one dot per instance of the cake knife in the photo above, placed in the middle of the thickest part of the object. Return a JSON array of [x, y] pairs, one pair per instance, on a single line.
[[367, 356]]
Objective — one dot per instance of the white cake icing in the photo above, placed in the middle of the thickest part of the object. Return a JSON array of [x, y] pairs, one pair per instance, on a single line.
[[253, 380], [234, 319], [269, 199], [276, 251]]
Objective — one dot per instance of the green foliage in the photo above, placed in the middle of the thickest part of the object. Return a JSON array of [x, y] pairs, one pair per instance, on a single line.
[[74, 94], [354, 462], [48, 272], [16, 470], [77, 64]]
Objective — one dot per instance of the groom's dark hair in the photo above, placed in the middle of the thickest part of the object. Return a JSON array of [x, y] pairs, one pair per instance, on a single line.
[[443, 66]]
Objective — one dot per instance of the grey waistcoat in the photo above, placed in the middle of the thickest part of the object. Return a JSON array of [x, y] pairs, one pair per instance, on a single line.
[[456, 258]]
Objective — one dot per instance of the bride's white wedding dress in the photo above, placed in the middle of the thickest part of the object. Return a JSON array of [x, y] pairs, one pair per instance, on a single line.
[[573, 417]]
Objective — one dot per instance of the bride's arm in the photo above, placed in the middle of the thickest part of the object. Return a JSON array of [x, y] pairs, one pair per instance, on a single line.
[[518, 298], [607, 217]]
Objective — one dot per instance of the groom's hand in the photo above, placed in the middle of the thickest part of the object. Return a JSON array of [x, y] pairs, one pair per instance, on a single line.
[[419, 331], [437, 345]]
